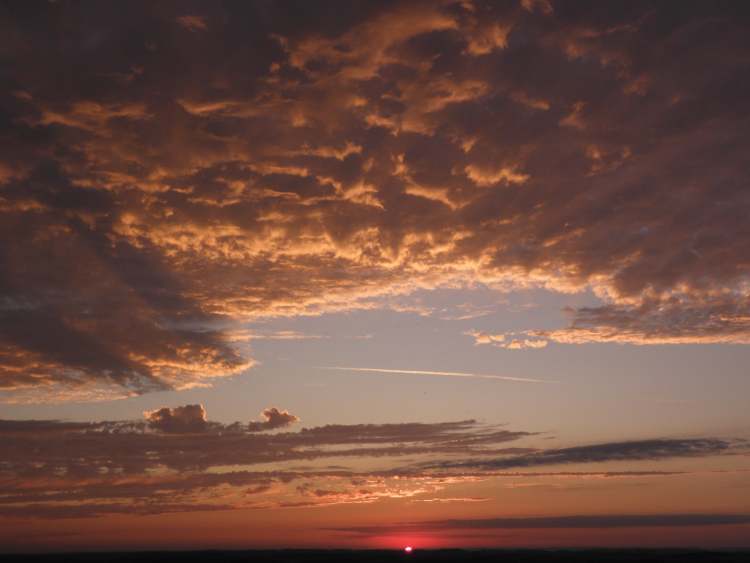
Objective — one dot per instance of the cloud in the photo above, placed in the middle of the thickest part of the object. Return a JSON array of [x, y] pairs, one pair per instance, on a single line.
[[246, 335], [544, 6], [274, 418], [447, 500], [192, 23], [638, 450], [603, 521], [181, 438], [330, 165], [509, 341], [488, 39], [178, 460], [187, 419], [487, 177], [677, 320], [191, 419], [716, 319]]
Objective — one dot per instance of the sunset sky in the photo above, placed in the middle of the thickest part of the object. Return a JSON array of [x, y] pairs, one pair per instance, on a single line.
[[362, 274]]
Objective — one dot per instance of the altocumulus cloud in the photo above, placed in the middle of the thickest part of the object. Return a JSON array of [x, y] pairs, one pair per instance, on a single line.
[[390, 147]]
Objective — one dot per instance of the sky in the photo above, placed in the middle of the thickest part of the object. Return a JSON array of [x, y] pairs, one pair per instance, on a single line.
[[374, 273]]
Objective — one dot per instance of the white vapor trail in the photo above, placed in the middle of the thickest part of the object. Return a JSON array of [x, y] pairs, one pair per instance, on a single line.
[[437, 373]]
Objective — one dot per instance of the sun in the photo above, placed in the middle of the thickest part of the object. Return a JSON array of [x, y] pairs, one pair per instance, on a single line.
[[408, 549]]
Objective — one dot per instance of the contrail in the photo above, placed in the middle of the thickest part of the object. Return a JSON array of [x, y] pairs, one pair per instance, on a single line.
[[438, 373]]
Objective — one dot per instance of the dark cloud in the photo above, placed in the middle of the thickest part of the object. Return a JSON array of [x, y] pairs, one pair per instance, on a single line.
[[169, 463], [640, 450], [181, 438], [178, 460], [559, 522], [274, 418], [191, 167], [190, 418]]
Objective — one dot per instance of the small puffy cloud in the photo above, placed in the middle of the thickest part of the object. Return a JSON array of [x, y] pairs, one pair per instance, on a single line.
[[274, 418], [178, 420], [192, 418]]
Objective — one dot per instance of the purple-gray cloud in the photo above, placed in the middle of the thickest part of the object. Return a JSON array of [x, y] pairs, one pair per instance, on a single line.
[[179, 460], [187, 419], [274, 418], [558, 522], [637, 450]]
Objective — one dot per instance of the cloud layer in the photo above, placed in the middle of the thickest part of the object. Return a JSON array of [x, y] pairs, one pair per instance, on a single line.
[[177, 460], [640, 450], [606, 521], [194, 168]]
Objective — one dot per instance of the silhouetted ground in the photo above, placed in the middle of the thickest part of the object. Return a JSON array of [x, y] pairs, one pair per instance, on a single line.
[[422, 556]]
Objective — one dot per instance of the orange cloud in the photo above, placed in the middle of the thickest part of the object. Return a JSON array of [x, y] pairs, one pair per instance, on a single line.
[[192, 23], [333, 168]]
